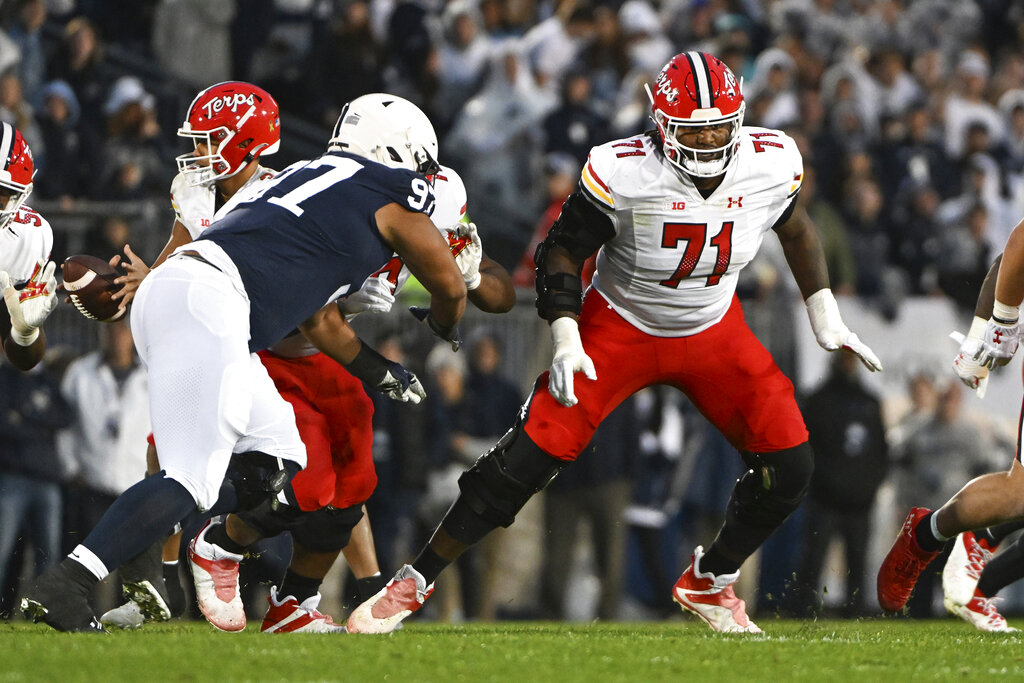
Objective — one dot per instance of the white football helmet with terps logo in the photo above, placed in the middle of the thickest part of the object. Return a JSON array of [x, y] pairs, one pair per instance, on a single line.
[[694, 90], [387, 129], [237, 122], [16, 171]]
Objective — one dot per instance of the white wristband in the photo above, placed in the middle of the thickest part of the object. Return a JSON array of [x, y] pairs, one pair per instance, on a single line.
[[475, 281], [977, 331], [823, 310], [25, 339], [565, 331], [1005, 312]]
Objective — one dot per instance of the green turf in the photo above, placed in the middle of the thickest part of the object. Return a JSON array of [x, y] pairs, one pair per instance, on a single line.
[[523, 652]]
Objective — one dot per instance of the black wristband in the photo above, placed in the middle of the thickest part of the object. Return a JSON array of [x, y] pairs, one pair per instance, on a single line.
[[369, 366]]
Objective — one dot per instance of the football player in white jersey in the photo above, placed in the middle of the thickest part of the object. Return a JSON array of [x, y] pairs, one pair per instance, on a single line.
[[26, 273], [332, 409], [674, 215]]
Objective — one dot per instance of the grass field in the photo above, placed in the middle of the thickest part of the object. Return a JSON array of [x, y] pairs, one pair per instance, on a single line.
[[871, 650]]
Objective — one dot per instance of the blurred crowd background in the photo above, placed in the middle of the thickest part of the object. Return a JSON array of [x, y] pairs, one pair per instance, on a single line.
[[910, 117]]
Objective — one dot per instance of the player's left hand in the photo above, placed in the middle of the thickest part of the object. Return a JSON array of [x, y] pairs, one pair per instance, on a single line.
[[135, 271], [464, 241], [832, 334], [400, 384], [29, 308]]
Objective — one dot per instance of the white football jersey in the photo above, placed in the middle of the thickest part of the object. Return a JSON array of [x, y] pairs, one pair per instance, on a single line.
[[26, 241], [194, 206], [672, 266]]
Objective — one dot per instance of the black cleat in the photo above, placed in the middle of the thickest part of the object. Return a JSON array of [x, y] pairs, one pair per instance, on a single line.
[[142, 581], [54, 598]]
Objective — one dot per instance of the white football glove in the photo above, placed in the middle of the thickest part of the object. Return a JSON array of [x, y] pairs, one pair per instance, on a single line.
[[464, 240], [830, 331], [966, 365], [569, 358], [376, 295], [998, 344], [29, 308]]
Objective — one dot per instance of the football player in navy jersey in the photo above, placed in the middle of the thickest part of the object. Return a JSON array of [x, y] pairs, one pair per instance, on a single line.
[[276, 260]]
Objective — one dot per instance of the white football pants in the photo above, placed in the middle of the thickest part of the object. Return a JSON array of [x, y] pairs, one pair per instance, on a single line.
[[208, 396]]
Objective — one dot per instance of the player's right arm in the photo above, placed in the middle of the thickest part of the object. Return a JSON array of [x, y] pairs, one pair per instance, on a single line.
[[576, 234], [425, 252], [329, 332], [135, 268]]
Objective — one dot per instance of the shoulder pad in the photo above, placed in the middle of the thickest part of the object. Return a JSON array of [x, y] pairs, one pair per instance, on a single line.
[[776, 156]]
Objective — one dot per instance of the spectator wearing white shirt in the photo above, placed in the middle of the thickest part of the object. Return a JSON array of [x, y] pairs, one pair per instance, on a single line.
[[106, 442]]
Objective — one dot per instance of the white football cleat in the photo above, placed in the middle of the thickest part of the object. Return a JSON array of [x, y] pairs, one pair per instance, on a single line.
[[981, 612], [712, 598], [966, 561], [215, 573], [288, 615], [384, 612], [126, 616]]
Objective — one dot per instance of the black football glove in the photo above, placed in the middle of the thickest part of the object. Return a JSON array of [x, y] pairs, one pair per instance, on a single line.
[[386, 376]]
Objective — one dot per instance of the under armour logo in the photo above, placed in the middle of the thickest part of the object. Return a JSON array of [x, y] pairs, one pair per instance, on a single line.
[[738, 201], [998, 334]]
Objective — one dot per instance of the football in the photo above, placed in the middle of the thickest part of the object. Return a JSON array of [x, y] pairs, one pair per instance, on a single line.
[[89, 283]]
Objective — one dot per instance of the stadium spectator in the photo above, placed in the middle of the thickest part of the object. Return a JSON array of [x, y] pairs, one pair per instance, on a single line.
[[592, 500], [60, 175], [192, 39], [107, 390], [934, 461], [135, 156], [32, 409], [25, 30], [574, 127], [848, 437]]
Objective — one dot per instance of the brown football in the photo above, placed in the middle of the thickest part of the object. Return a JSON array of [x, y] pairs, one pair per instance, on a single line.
[[89, 283]]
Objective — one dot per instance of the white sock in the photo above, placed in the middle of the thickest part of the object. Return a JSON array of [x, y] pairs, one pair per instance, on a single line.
[[88, 559]]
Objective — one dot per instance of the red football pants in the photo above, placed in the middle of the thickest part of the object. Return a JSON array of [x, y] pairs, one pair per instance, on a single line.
[[725, 371], [335, 420]]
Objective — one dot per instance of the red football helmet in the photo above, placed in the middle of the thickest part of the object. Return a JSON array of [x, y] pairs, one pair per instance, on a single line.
[[15, 173], [237, 122], [695, 90]]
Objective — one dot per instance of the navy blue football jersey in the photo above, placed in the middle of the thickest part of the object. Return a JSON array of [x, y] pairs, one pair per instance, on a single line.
[[310, 236]]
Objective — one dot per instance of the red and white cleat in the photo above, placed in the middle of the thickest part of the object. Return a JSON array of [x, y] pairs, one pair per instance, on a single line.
[[384, 612], [966, 561], [982, 613], [215, 573], [903, 565], [712, 598], [288, 615]]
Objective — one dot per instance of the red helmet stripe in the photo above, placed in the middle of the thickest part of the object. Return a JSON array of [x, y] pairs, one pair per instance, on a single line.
[[701, 79], [6, 144]]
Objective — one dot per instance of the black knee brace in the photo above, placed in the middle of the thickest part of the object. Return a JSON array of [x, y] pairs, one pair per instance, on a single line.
[[258, 477], [502, 480], [768, 493]]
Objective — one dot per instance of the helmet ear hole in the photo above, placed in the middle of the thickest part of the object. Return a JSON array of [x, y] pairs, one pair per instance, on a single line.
[[395, 156]]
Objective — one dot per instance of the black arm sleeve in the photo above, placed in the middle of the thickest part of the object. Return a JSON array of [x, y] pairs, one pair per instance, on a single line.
[[580, 229]]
